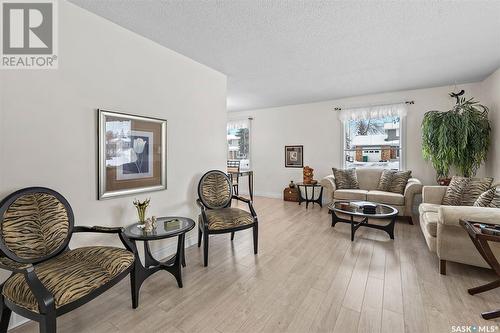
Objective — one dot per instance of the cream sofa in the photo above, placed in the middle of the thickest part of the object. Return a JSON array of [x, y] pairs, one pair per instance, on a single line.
[[368, 181], [443, 233]]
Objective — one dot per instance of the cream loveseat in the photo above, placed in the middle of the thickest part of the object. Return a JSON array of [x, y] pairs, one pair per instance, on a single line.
[[368, 180], [443, 233]]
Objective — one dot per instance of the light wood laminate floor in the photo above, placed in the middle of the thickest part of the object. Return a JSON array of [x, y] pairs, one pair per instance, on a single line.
[[307, 277]]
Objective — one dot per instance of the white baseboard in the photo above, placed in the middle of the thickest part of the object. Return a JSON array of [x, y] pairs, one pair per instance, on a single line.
[[17, 320], [264, 194], [171, 248]]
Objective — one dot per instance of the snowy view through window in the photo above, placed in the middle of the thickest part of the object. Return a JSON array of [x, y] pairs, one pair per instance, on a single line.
[[238, 145], [372, 143]]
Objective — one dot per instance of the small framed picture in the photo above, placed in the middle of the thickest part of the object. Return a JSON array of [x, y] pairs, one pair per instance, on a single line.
[[294, 156], [132, 154]]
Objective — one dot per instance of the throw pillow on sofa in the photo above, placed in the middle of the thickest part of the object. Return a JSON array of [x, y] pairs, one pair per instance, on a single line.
[[464, 191], [345, 179], [475, 187], [495, 203], [453, 194], [393, 181], [489, 198]]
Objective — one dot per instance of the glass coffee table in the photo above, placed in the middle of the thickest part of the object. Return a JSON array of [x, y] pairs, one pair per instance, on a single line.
[[167, 227], [357, 218]]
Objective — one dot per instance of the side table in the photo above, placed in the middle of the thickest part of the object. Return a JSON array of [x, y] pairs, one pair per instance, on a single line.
[[311, 199], [481, 240], [166, 227]]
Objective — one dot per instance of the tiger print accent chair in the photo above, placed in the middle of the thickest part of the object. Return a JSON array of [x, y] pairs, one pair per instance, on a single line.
[[215, 194], [48, 278]]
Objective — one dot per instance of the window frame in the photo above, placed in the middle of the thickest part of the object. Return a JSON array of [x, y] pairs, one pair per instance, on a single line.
[[402, 143], [248, 119]]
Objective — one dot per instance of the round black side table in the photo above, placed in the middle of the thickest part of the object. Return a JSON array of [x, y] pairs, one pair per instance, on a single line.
[[311, 199], [167, 227]]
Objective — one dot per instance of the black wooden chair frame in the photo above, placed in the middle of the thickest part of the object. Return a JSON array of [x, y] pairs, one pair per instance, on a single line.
[[204, 232], [46, 317]]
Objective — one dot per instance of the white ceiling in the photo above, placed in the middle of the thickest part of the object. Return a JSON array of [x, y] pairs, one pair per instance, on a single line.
[[289, 52]]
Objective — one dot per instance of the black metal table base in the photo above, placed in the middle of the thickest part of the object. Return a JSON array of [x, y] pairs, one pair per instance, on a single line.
[[308, 200], [141, 272], [355, 225]]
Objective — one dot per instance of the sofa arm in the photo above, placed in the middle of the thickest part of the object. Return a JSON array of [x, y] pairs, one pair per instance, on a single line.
[[433, 194], [329, 185], [414, 186], [328, 182], [451, 215]]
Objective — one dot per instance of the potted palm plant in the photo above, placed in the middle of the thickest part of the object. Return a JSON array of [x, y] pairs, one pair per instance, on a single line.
[[458, 138]]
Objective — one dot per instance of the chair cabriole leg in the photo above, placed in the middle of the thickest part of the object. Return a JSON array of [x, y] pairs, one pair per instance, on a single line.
[[5, 317], [205, 248], [48, 323], [255, 237]]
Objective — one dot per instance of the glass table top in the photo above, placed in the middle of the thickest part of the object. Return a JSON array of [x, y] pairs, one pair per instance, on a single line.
[[346, 207], [308, 184], [168, 226]]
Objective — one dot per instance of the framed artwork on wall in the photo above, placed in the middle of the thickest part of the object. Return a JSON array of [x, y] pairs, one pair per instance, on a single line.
[[294, 156], [132, 154]]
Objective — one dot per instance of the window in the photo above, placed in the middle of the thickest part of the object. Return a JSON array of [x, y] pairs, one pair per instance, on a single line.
[[372, 137], [238, 142]]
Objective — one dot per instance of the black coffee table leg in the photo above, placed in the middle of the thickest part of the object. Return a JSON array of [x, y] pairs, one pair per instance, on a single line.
[[353, 228], [334, 218], [356, 225], [388, 228]]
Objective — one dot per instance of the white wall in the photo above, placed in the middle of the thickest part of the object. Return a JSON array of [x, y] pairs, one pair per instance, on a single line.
[[48, 119], [491, 91], [316, 126]]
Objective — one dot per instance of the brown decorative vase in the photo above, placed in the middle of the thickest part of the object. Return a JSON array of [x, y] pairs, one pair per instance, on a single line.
[[308, 174]]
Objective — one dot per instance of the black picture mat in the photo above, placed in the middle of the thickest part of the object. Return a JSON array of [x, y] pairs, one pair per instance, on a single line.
[[298, 161]]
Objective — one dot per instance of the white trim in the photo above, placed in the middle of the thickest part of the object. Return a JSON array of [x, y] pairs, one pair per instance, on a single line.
[[171, 248], [248, 120], [342, 148], [17, 320], [402, 141], [276, 195]]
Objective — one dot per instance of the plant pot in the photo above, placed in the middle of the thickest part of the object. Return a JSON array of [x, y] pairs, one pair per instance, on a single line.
[[444, 181]]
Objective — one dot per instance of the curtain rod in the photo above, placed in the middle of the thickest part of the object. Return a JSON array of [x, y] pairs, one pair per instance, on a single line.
[[372, 105]]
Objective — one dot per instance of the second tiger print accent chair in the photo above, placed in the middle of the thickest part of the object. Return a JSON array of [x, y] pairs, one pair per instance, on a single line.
[[217, 216], [48, 278]]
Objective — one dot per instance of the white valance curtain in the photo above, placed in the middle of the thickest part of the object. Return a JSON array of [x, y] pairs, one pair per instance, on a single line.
[[236, 124], [371, 112]]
